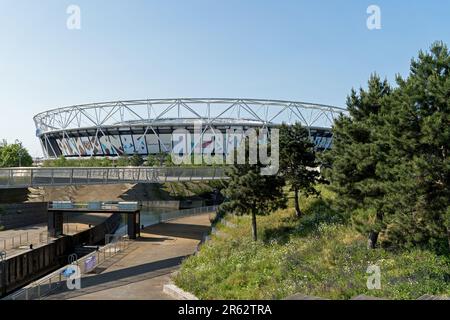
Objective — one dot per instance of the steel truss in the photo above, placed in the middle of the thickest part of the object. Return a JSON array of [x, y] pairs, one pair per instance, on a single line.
[[152, 112]]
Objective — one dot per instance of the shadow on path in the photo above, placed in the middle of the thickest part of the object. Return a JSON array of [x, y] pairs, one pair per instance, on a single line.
[[178, 230], [119, 278]]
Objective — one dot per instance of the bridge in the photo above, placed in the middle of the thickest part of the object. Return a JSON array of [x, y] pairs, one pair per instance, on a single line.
[[14, 178], [56, 210]]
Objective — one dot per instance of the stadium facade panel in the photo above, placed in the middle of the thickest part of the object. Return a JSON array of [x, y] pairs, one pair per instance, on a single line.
[[153, 126]]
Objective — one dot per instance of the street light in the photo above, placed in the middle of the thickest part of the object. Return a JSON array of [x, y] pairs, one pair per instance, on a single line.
[[20, 154]]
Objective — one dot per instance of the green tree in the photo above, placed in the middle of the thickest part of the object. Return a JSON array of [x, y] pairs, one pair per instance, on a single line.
[[357, 154], [298, 163], [14, 155], [419, 135], [249, 192]]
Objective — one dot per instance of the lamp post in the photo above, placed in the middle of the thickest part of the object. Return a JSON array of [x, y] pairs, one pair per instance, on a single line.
[[20, 153]]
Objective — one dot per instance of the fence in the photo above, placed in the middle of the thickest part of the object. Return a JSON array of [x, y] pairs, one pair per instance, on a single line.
[[56, 280], [74, 228], [24, 239], [29, 177]]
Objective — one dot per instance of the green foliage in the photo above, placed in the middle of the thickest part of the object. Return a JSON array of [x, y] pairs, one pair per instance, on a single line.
[[136, 160], [91, 162], [318, 254], [158, 160], [418, 128], [390, 160], [298, 162], [250, 192], [123, 161], [389, 171], [14, 155], [357, 154]]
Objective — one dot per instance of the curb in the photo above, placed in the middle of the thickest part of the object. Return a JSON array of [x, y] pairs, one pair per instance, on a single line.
[[178, 293]]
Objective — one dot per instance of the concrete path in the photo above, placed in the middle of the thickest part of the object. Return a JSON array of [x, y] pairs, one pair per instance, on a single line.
[[142, 270]]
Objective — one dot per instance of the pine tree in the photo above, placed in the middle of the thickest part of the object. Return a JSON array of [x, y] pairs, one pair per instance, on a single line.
[[419, 135], [356, 156], [250, 192], [298, 163]]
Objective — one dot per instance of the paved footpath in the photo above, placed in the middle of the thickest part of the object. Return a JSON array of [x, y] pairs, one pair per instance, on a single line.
[[140, 272]]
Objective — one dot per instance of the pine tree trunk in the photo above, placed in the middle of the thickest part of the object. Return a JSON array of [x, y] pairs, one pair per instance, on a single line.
[[373, 238], [254, 229], [298, 213], [373, 235]]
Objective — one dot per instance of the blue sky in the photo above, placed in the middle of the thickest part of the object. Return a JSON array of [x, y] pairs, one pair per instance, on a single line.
[[313, 51]]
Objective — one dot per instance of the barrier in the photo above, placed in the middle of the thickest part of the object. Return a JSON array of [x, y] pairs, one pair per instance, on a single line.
[[54, 281], [40, 177]]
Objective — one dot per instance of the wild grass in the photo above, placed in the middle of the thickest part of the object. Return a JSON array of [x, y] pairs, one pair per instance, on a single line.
[[319, 254]]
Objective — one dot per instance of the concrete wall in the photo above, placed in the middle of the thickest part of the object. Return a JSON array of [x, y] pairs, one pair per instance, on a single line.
[[27, 267], [174, 204], [22, 214], [14, 195], [171, 204], [189, 204]]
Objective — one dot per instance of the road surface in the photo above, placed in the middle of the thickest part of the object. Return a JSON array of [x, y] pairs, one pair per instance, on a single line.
[[142, 270]]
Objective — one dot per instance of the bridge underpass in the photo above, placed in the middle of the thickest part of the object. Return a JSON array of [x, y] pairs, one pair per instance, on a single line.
[[15, 178], [142, 270], [57, 209]]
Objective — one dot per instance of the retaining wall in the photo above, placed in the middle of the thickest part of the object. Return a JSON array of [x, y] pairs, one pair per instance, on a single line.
[[23, 214], [175, 205], [24, 268]]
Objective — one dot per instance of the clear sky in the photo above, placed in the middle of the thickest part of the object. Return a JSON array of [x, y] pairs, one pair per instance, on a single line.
[[313, 51]]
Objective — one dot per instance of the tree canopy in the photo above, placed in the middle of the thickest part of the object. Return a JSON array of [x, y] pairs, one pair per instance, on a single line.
[[14, 155], [389, 163], [298, 163], [250, 192]]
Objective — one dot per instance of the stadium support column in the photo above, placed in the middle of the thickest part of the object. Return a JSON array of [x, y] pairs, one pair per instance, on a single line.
[[133, 224], [55, 223]]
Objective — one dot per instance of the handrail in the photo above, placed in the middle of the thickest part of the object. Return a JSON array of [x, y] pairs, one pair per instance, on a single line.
[[46, 285], [61, 176], [53, 281]]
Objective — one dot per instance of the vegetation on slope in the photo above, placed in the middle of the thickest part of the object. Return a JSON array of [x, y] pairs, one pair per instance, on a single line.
[[319, 254]]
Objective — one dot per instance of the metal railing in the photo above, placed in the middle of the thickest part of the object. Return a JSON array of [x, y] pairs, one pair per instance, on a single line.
[[109, 206], [24, 240], [114, 245], [56, 280], [36, 177]]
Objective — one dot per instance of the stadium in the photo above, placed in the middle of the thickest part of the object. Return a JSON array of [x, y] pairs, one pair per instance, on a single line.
[[146, 127]]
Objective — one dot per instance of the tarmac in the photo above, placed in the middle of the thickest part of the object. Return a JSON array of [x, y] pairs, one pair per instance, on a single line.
[[141, 271]]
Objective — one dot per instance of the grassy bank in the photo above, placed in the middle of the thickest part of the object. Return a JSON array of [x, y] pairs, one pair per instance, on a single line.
[[320, 255]]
